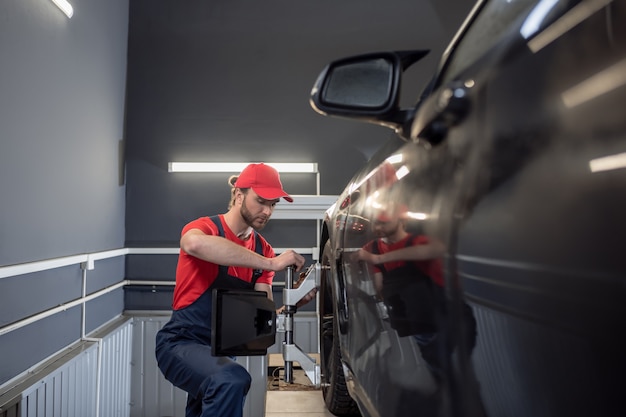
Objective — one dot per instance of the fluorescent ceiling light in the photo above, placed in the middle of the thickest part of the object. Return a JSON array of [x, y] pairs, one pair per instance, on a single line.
[[416, 215], [402, 172], [395, 159], [601, 83], [65, 7], [535, 18], [303, 167], [608, 163], [577, 14]]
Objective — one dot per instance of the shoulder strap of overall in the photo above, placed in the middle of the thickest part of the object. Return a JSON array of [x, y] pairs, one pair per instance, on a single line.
[[410, 242], [376, 251], [258, 248]]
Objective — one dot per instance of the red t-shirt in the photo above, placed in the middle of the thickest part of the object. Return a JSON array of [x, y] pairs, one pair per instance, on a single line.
[[431, 267], [194, 276]]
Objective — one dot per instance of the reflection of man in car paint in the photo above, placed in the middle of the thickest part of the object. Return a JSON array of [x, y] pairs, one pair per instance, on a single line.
[[408, 277]]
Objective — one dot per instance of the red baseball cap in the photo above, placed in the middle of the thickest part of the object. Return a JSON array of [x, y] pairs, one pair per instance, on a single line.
[[264, 180]]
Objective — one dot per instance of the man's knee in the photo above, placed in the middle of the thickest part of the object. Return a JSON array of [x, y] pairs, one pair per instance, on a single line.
[[233, 377], [238, 377]]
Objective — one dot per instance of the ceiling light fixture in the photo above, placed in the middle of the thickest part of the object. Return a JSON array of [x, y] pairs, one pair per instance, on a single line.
[[304, 167], [608, 163], [603, 82], [569, 20], [65, 7]]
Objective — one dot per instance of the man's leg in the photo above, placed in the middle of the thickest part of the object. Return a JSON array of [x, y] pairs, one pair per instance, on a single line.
[[224, 392], [194, 406], [219, 383]]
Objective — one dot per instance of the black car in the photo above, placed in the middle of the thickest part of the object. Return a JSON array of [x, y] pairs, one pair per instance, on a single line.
[[506, 187]]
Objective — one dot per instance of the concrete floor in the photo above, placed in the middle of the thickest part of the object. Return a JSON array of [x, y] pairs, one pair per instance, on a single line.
[[299, 399], [295, 404]]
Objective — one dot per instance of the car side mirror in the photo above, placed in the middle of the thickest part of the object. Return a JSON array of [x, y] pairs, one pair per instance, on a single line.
[[365, 87], [363, 84]]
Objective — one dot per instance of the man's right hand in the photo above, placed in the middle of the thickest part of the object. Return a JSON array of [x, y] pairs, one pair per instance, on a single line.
[[286, 259]]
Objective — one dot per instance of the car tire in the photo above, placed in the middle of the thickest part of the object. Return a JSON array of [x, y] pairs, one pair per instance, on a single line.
[[334, 388]]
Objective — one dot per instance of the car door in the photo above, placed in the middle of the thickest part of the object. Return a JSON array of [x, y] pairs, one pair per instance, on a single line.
[[538, 224], [515, 165], [381, 346]]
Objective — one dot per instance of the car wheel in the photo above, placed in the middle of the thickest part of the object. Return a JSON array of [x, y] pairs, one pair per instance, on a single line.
[[334, 388]]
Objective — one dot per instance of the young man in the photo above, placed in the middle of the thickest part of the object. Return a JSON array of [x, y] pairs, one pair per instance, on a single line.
[[407, 272], [224, 251], [408, 277]]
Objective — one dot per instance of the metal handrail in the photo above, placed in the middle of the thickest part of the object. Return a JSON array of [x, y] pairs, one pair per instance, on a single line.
[[87, 262]]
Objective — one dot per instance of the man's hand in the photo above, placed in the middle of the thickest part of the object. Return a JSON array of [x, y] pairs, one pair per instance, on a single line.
[[307, 298], [286, 259], [304, 300], [365, 256]]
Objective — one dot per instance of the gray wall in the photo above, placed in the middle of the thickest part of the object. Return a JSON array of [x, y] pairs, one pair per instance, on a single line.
[[229, 80], [62, 93], [220, 80]]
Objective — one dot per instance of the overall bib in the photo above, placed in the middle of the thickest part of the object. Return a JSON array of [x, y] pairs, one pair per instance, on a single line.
[[416, 306], [412, 299], [215, 386]]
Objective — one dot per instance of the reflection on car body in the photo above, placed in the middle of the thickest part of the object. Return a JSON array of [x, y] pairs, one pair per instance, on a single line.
[[510, 171]]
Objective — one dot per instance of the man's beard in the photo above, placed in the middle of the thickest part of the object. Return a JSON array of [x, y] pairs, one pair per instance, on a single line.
[[249, 218], [389, 232]]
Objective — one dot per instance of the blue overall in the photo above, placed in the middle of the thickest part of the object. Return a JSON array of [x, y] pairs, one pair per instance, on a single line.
[[215, 386]]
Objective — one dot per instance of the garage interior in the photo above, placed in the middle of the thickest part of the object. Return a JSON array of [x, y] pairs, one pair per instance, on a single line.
[[94, 108]]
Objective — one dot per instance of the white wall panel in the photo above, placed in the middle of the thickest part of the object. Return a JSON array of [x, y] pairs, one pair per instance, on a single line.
[[153, 396], [68, 391], [115, 375], [69, 385], [130, 382]]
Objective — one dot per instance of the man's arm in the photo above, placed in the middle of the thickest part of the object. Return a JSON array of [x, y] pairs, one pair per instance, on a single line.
[[431, 250], [221, 251], [378, 284]]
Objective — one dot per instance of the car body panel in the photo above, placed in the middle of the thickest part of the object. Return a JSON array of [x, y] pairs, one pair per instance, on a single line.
[[506, 166]]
